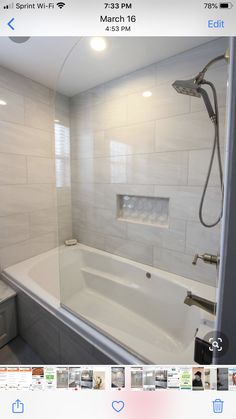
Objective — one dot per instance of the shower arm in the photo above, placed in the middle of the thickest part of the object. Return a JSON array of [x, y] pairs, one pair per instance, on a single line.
[[202, 73], [200, 80]]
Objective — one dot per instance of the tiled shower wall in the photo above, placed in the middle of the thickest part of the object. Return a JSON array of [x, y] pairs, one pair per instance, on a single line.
[[28, 202], [124, 143]]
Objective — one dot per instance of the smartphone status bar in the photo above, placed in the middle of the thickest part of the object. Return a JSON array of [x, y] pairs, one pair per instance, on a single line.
[[119, 18]]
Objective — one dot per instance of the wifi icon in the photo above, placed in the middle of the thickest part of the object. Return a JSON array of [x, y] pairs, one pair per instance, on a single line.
[[60, 4]]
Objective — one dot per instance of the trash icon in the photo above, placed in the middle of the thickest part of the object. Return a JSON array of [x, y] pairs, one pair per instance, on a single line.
[[218, 406]]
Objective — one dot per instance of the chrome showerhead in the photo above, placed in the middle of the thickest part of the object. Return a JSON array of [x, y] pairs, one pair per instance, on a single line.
[[193, 88], [187, 87]]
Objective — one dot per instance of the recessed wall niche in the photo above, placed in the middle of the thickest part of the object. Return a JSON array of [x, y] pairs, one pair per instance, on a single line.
[[143, 209]]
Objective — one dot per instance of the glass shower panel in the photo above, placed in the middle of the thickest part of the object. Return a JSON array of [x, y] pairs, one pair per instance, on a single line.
[[131, 161]]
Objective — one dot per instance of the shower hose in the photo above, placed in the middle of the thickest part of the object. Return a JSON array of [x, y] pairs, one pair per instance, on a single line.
[[215, 150]]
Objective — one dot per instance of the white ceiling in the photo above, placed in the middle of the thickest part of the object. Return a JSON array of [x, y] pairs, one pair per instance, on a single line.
[[41, 58]]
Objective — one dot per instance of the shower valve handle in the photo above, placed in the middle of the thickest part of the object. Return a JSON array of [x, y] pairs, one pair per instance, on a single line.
[[207, 258]]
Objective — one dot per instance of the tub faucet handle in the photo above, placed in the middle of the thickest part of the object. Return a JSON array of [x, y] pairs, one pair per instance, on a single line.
[[196, 257]]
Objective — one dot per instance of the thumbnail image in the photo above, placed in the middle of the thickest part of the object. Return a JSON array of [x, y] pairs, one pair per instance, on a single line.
[[222, 378], [99, 380], [118, 377], [62, 377], [210, 379], [198, 378], [185, 378], [136, 377], [3, 378], [74, 377], [38, 378], [13, 373], [173, 378], [161, 378], [87, 379], [232, 378], [50, 381], [149, 376], [25, 378]]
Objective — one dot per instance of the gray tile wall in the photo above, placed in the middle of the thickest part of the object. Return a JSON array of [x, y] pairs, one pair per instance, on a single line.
[[28, 201], [124, 143]]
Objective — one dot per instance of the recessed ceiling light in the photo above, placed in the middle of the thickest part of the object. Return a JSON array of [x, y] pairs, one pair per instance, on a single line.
[[98, 44], [56, 120], [2, 102], [147, 93]]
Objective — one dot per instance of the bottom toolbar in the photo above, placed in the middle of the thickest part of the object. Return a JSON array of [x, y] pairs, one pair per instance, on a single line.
[[104, 405]]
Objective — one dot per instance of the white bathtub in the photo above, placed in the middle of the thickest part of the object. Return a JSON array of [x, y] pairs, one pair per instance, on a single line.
[[117, 305]]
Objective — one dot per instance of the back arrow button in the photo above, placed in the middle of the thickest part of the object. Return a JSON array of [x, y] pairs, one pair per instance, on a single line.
[[10, 24]]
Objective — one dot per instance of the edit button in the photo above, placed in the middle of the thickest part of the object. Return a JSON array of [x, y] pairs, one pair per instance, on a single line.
[[216, 24]]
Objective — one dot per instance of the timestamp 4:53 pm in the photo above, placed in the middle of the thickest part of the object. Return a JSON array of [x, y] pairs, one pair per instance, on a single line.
[[118, 28]]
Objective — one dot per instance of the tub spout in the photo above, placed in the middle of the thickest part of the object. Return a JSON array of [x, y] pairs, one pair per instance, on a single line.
[[203, 303]]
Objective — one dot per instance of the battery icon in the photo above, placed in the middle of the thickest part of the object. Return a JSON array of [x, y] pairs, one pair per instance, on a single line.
[[226, 5]]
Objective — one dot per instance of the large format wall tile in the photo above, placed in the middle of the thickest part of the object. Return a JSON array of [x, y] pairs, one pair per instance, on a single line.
[[164, 102], [172, 237], [123, 143], [114, 113], [20, 139], [198, 167], [89, 194], [13, 229], [13, 169], [158, 168], [87, 119], [202, 240], [186, 132], [184, 201], [100, 170], [133, 250], [28, 213], [105, 222], [88, 237], [41, 170], [38, 115], [90, 144], [24, 86], [19, 199], [181, 264], [13, 111], [133, 139], [26, 249], [43, 221]]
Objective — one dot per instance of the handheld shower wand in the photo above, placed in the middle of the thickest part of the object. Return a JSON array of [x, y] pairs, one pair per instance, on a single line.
[[193, 87]]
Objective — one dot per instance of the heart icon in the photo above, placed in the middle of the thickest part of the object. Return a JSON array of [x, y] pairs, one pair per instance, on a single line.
[[118, 405]]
